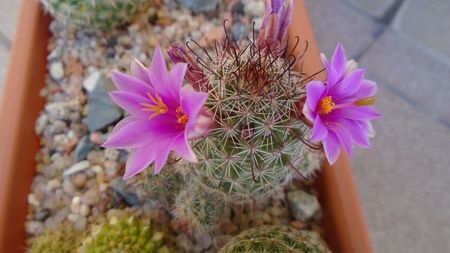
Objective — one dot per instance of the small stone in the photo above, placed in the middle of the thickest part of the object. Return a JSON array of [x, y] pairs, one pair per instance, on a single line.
[[184, 243], [43, 214], [303, 205], [79, 180], [56, 70], [91, 81], [130, 198], [75, 205], [221, 240], [80, 166], [53, 184], [255, 8], [83, 148], [91, 197], [34, 227], [97, 138], [238, 31], [102, 110], [198, 6], [32, 200], [204, 240], [84, 210], [297, 224], [80, 223], [229, 228]]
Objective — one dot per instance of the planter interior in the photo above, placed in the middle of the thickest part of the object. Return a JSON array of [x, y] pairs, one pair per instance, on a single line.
[[343, 220]]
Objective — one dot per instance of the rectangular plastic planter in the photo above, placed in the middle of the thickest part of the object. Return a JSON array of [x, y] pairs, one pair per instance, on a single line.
[[344, 224]]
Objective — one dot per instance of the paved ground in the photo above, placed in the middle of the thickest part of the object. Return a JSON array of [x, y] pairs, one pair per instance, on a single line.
[[405, 179]]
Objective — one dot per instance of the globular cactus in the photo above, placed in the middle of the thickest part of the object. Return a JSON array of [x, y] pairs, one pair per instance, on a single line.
[[200, 208], [256, 143], [126, 235], [275, 239], [94, 13], [63, 239]]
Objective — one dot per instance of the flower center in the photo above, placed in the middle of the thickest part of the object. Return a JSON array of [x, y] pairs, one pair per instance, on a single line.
[[157, 106], [326, 105], [182, 117]]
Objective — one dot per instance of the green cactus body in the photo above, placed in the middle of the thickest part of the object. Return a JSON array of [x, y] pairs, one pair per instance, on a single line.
[[63, 239], [256, 143], [275, 239], [126, 235], [202, 209], [94, 13]]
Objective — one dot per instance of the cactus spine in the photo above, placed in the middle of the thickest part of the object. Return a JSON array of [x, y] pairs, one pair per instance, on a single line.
[[63, 239], [200, 208], [275, 239], [94, 13]]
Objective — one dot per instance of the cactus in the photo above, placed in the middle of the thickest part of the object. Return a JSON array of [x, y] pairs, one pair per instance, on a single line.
[[63, 239], [126, 235], [275, 239], [256, 144], [202, 209], [94, 13]]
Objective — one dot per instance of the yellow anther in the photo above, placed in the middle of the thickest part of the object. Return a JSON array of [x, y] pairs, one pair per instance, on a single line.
[[326, 105], [365, 101]]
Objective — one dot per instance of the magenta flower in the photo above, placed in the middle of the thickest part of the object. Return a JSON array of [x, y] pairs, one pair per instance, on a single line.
[[273, 34], [340, 108], [162, 114]]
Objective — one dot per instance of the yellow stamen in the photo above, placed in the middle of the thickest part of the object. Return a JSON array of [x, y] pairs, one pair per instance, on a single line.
[[157, 107], [365, 101], [326, 105], [181, 116]]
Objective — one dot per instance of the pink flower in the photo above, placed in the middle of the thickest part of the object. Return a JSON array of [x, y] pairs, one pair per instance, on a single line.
[[162, 115], [273, 34], [340, 109], [194, 73]]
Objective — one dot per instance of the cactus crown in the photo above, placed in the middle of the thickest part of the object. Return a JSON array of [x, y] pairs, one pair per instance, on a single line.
[[62, 239], [94, 13], [275, 239], [201, 208], [125, 235], [255, 144]]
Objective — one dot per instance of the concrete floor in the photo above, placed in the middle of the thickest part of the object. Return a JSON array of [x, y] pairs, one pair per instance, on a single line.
[[405, 45]]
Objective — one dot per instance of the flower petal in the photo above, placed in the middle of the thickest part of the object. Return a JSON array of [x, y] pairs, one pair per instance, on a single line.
[[131, 135], [139, 160], [129, 102], [308, 113], [344, 137], [339, 60], [357, 113], [176, 78], [359, 134], [139, 71], [367, 89], [161, 157], [124, 122], [182, 147], [192, 103], [319, 131], [314, 92], [128, 83], [158, 74], [331, 147], [348, 86]]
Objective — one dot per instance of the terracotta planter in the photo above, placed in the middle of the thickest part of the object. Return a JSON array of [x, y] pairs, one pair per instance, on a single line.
[[343, 219]]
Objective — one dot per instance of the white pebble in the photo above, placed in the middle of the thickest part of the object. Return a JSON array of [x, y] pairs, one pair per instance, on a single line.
[[56, 70]]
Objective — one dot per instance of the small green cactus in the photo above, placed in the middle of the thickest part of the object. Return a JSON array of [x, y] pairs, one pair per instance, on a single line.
[[128, 235], [256, 143], [63, 239], [94, 13], [201, 208], [275, 239]]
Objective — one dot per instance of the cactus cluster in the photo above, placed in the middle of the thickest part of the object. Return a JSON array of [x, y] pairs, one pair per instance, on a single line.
[[126, 235], [94, 13], [256, 144], [275, 239], [201, 208], [63, 239]]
